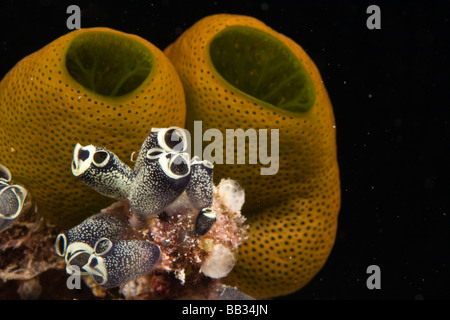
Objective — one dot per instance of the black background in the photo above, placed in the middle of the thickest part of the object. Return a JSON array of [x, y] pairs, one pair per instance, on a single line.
[[389, 89]]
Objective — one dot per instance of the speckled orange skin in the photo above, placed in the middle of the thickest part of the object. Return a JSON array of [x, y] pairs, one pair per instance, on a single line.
[[293, 214], [45, 112]]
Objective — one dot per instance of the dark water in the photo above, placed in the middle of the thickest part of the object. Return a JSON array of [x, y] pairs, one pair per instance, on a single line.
[[389, 89]]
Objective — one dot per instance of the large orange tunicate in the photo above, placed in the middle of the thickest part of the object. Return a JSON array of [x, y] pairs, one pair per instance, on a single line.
[[239, 73], [91, 86]]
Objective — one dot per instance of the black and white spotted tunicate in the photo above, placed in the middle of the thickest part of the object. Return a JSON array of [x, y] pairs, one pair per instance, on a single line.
[[5, 174], [12, 199], [78, 243], [205, 220], [173, 139], [116, 262], [102, 170], [163, 177], [200, 187]]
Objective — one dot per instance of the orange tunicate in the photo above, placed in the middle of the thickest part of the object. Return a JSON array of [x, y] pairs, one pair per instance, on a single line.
[[91, 86], [239, 73]]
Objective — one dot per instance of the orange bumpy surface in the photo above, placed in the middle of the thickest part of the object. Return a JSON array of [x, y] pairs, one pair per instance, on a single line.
[[45, 112], [292, 214]]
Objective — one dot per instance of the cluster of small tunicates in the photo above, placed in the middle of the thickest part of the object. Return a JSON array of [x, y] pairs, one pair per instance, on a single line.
[[12, 199], [97, 247], [162, 172]]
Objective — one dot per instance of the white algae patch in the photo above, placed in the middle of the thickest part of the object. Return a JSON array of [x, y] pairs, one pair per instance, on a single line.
[[231, 194], [218, 263]]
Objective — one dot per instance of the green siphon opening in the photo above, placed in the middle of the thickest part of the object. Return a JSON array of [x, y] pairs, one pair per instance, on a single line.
[[262, 66], [108, 64]]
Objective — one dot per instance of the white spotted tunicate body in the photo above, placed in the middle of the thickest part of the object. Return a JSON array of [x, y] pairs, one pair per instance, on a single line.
[[204, 221], [102, 170], [78, 243], [12, 199], [162, 178], [116, 262], [169, 139], [200, 187]]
